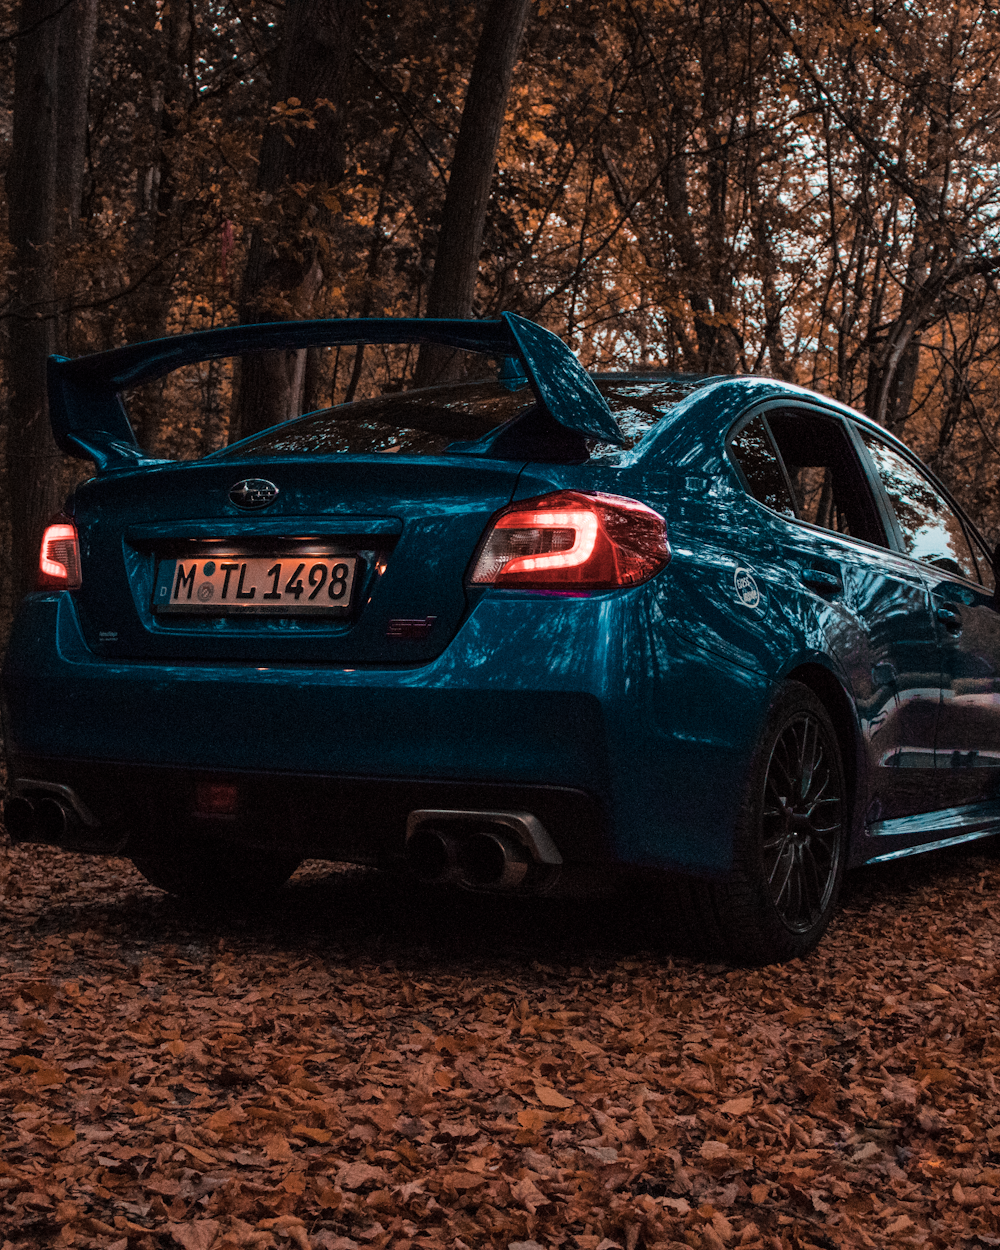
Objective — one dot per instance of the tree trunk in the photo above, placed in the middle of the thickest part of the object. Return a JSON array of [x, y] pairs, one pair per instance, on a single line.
[[284, 266], [77, 34], [892, 369], [463, 220], [43, 185], [32, 459], [147, 312]]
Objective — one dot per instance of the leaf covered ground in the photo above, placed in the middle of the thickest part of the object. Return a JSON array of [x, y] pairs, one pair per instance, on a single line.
[[365, 1067]]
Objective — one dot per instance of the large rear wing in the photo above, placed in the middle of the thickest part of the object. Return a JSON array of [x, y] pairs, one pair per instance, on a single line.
[[89, 419]]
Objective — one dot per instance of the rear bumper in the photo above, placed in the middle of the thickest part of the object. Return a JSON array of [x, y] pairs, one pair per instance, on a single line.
[[358, 820], [626, 742]]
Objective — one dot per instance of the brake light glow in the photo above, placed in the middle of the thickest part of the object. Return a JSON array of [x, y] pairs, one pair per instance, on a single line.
[[572, 541], [59, 557], [213, 798]]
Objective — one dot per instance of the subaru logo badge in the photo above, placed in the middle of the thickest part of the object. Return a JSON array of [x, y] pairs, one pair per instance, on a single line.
[[253, 492]]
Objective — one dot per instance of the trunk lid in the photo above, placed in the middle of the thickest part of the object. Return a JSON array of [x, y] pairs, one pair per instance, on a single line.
[[412, 527]]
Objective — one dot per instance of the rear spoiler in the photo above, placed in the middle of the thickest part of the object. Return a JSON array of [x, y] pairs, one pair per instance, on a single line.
[[90, 421]]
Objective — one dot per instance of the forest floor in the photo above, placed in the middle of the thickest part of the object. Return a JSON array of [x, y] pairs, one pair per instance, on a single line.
[[364, 1067]]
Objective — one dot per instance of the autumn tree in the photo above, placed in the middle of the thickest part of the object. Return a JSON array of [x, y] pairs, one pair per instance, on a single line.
[[739, 186], [463, 217], [43, 183], [302, 148]]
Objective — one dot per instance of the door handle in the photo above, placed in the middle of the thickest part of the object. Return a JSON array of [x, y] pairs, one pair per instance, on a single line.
[[822, 581], [950, 617]]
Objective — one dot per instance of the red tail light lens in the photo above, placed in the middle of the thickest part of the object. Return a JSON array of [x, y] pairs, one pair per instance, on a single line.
[[572, 541], [59, 557]]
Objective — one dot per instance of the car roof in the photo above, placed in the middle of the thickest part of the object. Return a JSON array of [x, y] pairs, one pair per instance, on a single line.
[[739, 384]]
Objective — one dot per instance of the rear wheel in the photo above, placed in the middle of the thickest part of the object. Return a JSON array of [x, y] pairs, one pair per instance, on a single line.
[[216, 874], [789, 844]]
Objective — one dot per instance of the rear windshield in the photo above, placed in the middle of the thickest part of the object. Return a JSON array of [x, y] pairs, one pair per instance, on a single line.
[[427, 422], [419, 423]]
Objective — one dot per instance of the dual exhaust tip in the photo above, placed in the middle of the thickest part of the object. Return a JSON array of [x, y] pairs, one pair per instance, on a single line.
[[38, 820], [478, 850], [41, 811], [484, 860]]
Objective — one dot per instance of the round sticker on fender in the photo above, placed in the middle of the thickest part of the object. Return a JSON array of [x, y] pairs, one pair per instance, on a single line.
[[746, 588]]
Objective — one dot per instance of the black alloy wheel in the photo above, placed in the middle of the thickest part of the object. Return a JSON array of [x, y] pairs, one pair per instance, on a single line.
[[789, 841], [802, 823]]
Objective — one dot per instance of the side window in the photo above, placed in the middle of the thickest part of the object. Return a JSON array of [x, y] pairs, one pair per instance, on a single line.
[[828, 483], [932, 531], [753, 451]]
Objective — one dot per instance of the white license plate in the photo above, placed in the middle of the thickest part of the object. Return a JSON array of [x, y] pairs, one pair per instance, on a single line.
[[298, 585]]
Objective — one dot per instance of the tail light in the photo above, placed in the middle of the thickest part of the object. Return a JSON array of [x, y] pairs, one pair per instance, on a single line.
[[59, 557], [572, 541]]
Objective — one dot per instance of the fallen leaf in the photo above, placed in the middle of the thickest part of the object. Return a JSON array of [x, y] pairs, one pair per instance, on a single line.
[[552, 1098], [199, 1155], [603, 1154], [902, 1224], [645, 1125], [533, 1119], [60, 1134], [738, 1106], [226, 1118], [194, 1235], [358, 1175], [528, 1195], [462, 1180], [320, 1135], [49, 1076], [276, 1147]]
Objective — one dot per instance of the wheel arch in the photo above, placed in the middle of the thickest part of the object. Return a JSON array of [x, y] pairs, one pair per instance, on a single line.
[[831, 693]]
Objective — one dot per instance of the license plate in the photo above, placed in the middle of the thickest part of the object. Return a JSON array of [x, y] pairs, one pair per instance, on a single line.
[[299, 585]]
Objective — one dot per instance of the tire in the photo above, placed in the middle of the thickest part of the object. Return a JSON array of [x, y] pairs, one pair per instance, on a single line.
[[789, 841], [214, 875]]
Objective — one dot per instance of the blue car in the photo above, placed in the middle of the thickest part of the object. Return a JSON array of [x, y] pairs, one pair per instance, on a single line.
[[515, 633]]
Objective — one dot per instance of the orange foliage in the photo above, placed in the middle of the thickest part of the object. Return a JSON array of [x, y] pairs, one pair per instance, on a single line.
[[748, 187]]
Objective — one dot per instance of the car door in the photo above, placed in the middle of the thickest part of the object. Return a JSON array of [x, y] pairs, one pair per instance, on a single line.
[[961, 583], [872, 605]]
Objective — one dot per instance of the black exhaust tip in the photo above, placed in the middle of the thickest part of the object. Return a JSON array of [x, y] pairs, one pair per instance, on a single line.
[[51, 821], [489, 859], [430, 855], [19, 818]]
